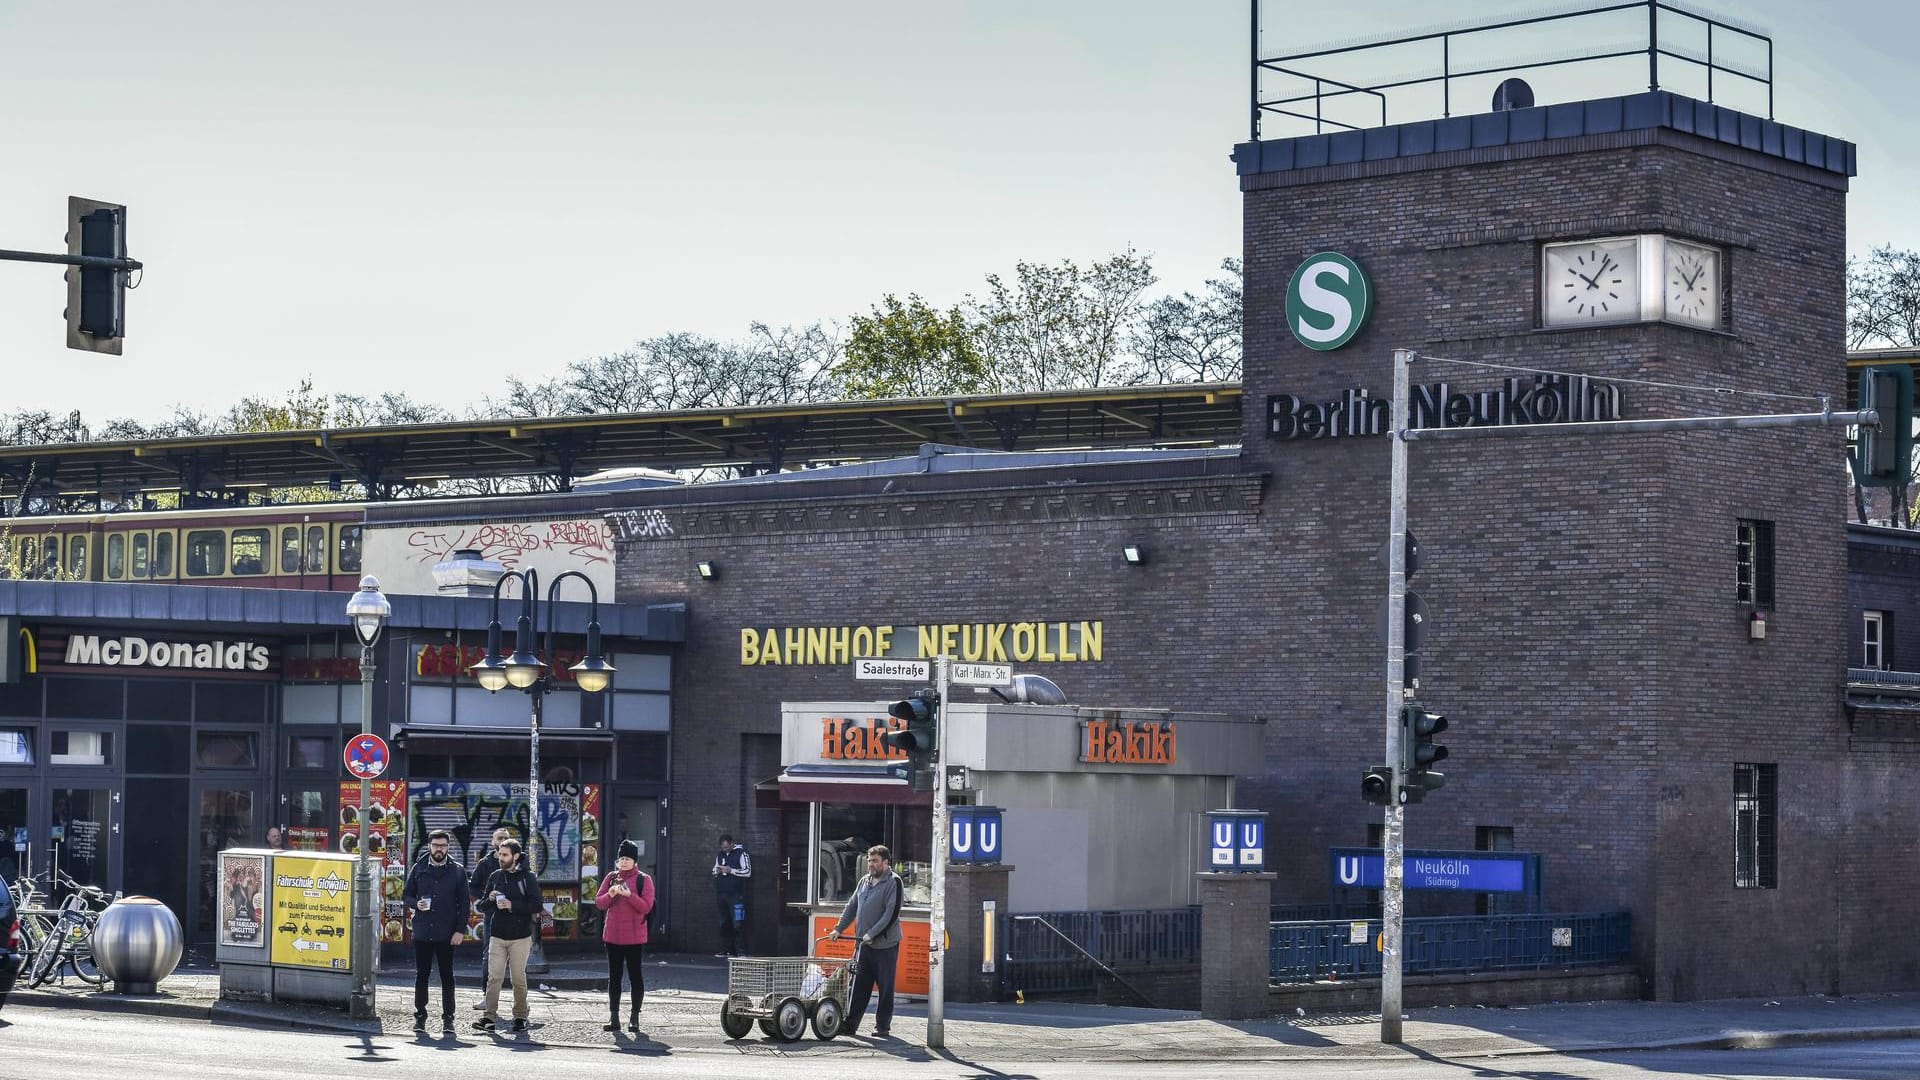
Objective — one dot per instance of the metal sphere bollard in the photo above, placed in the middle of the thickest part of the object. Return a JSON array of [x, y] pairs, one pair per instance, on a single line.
[[136, 943]]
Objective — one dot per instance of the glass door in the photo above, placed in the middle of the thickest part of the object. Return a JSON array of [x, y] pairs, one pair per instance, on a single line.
[[227, 817], [15, 836], [81, 833]]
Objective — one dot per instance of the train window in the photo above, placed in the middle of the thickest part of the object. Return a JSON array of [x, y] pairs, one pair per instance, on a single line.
[[116, 557], [30, 555], [142, 555], [250, 550], [290, 549], [316, 549], [350, 549], [50, 556], [77, 557], [206, 553], [162, 555]]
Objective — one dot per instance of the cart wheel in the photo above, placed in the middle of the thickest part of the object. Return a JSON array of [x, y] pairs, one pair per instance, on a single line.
[[827, 1019], [733, 1018], [766, 1026], [789, 1019]]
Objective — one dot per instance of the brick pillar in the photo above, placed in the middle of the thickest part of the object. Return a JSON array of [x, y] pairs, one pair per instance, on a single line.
[[967, 887], [1235, 910]]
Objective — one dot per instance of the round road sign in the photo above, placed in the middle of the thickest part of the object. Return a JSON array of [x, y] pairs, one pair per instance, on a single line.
[[366, 756]]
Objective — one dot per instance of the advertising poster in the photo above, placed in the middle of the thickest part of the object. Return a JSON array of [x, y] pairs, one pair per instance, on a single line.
[[243, 899], [309, 838], [562, 903], [312, 912], [590, 856], [387, 846], [911, 976]]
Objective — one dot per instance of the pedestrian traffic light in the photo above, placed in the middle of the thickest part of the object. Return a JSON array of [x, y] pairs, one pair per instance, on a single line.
[[96, 296], [1376, 785], [920, 738], [1882, 455], [1418, 751]]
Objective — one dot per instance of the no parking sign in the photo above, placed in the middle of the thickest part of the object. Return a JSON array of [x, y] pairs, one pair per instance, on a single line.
[[366, 756]]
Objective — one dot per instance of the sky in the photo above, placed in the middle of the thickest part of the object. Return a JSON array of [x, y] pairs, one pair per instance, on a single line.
[[432, 197]]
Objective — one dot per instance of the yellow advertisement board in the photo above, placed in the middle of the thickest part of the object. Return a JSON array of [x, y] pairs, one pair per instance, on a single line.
[[312, 911]]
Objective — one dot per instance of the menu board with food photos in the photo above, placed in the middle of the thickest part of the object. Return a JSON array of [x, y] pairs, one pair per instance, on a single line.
[[590, 845], [386, 815]]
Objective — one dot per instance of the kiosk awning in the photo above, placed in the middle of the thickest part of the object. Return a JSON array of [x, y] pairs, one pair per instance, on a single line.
[[800, 784]]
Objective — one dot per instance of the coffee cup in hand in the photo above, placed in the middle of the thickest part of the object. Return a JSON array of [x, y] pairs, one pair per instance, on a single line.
[[425, 903]]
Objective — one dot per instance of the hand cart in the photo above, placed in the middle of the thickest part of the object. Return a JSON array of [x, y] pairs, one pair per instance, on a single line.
[[783, 992]]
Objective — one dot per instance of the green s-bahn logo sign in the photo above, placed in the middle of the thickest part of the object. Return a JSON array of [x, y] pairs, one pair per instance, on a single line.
[[1328, 301]]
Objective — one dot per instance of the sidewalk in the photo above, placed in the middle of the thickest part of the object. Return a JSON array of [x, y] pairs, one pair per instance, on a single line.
[[683, 1004]]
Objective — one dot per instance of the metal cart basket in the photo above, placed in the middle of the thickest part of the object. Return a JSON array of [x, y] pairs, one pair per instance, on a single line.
[[782, 993]]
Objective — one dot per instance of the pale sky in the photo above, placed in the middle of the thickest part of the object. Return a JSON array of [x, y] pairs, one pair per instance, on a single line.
[[431, 196]]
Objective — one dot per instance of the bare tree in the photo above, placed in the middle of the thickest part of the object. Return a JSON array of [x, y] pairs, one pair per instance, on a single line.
[[1189, 338], [1883, 299], [1059, 326]]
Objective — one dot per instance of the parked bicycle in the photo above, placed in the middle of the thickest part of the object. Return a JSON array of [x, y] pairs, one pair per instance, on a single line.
[[65, 937]]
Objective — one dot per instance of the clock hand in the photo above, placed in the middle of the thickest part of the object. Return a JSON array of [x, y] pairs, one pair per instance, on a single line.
[[1591, 283]]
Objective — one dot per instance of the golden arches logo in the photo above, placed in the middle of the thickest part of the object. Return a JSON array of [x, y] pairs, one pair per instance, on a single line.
[[31, 655]]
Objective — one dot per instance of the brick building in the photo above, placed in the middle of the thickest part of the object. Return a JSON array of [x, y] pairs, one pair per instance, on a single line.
[[1598, 600]]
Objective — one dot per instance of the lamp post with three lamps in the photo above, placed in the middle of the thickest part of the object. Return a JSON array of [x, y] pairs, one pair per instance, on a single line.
[[525, 671], [367, 611]]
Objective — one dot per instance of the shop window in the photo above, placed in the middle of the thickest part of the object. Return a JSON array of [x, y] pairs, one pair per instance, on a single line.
[[310, 752], [142, 556], [77, 557], [316, 549], [847, 831], [157, 748], [1876, 640], [350, 549], [85, 699], [226, 749], [81, 747], [116, 557], [163, 555], [165, 700], [309, 824], [290, 549], [229, 702], [206, 553], [1756, 815], [250, 551], [641, 757], [1753, 564], [16, 746]]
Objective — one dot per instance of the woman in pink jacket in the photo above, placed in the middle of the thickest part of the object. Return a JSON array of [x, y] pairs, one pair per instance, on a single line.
[[626, 895]]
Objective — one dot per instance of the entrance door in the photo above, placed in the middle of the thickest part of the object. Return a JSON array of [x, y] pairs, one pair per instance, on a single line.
[[14, 831], [227, 817], [80, 839], [637, 818]]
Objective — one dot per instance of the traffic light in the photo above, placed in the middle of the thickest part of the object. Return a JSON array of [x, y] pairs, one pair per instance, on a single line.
[[1376, 786], [920, 738], [1419, 752], [1882, 455], [96, 296]]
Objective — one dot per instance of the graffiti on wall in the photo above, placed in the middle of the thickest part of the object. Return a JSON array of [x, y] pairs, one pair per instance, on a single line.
[[403, 557], [471, 811]]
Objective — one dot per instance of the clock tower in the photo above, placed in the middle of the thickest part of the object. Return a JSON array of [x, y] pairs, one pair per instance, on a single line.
[[1630, 633]]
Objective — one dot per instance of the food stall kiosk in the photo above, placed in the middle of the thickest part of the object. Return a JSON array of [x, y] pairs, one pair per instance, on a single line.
[[1102, 807]]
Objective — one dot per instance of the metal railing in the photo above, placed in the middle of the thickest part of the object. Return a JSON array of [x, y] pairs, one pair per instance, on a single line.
[[1065, 951], [1310, 951], [1328, 90], [1876, 677]]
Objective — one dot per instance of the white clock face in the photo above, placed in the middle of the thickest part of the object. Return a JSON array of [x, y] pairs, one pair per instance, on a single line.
[[1590, 282], [1691, 284]]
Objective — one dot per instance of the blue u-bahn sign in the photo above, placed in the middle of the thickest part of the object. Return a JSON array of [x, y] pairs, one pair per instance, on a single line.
[[1480, 871], [1237, 840], [974, 834]]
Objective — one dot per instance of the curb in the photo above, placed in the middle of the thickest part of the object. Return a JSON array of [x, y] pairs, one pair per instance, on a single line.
[[150, 1006]]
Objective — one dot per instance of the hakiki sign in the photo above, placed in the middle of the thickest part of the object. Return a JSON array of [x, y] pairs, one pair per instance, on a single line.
[[1117, 742], [998, 642]]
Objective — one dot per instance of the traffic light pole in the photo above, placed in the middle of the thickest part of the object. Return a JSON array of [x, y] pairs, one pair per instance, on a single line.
[[1393, 836], [937, 935], [1393, 842]]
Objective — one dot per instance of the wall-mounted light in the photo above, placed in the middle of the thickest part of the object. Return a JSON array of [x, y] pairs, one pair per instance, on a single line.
[[1135, 554], [708, 571]]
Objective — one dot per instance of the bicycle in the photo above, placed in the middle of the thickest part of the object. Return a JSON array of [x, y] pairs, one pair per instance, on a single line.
[[69, 940]]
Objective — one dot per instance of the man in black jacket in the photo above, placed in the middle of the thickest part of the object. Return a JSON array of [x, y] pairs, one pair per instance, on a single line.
[[436, 895], [513, 895], [477, 888]]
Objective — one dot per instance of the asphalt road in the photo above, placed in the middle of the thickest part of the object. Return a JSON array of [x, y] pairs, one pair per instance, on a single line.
[[56, 1042]]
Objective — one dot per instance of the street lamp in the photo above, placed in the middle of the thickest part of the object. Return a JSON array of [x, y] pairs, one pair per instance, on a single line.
[[367, 611], [525, 671]]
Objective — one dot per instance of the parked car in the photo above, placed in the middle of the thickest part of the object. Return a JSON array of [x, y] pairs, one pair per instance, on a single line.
[[11, 952]]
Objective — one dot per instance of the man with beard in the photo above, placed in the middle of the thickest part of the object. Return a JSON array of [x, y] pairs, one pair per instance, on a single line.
[[436, 895]]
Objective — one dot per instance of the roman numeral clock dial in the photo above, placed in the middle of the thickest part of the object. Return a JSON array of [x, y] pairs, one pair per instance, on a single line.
[[1591, 282]]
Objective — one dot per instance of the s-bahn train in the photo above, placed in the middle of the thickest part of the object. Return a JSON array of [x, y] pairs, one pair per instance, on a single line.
[[282, 547]]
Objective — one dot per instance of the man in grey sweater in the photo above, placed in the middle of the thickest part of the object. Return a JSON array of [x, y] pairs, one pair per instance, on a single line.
[[874, 912]]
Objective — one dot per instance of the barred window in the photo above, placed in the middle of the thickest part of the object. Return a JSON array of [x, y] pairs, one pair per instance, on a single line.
[[1753, 563], [1756, 861]]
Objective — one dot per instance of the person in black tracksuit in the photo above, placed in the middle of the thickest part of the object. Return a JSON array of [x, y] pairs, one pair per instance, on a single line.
[[436, 896], [477, 889], [731, 869]]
